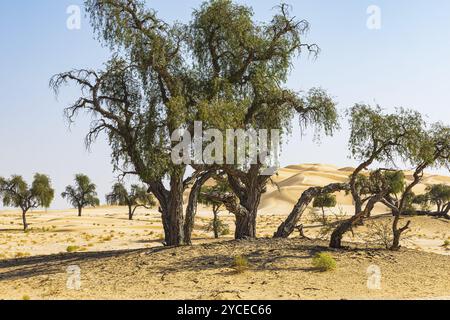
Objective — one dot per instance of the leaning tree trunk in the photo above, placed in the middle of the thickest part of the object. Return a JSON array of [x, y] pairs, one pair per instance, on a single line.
[[446, 212], [346, 226], [191, 209], [338, 233], [397, 232], [288, 226]]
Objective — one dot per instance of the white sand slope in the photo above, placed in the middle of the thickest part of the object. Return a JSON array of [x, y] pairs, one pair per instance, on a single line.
[[291, 181]]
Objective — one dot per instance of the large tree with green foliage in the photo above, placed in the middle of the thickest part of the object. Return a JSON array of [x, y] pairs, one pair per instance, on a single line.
[[15, 192], [429, 149], [375, 137], [82, 194], [244, 66], [380, 137], [439, 195], [137, 197], [222, 68]]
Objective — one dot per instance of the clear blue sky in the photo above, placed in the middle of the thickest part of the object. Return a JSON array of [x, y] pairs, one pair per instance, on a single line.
[[405, 63]]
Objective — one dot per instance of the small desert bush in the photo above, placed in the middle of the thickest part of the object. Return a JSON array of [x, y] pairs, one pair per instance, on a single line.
[[379, 233], [327, 223], [240, 264], [22, 254], [107, 238], [71, 249], [87, 237], [446, 243], [222, 228], [324, 262], [26, 297]]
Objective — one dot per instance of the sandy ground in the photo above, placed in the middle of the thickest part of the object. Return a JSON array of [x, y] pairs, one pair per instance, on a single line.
[[279, 269], [125, 259]]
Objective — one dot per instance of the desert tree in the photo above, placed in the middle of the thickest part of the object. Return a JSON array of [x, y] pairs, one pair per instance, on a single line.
[[137, 197], [400, 200], [375, 137], [380, 137], [82, 194], [222, 69], [207, 198], [423, 201], [244, 66], [288, 226], [429, 149], [146, 91], [439, 195], [325, 201], [15, 192]]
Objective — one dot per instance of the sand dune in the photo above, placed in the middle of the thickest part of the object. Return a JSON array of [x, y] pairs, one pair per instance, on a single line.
[[291, 181]]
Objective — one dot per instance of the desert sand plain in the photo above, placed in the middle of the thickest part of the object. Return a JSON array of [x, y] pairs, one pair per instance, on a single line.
[[122, 259]]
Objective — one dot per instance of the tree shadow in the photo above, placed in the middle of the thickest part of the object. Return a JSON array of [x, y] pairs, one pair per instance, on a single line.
[[48, 265], [14, 231], [259, 260]]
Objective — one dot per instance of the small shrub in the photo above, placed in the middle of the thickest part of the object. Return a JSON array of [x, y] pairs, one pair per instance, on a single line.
[[107, 238], [240, 264], [226, 231], [328, 223], [379, 233], [223, 229], [26, 297], [22, 254], [324, 262], [446, 243], [71, 249]]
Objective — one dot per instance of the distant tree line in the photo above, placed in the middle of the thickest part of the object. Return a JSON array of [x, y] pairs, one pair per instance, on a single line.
[[15, 192]]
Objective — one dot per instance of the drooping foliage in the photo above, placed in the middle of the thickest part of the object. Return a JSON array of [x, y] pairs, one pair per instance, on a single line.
[[210, 196], [222, 68], [16, 193], [82, 194], [439, 195], [137, 197], [377, 136]]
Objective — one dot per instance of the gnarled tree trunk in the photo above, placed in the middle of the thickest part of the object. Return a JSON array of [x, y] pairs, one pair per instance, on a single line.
[[246, 219], [288, 226], [191, 209], [397, 232], [171, 209], [346, 226]]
